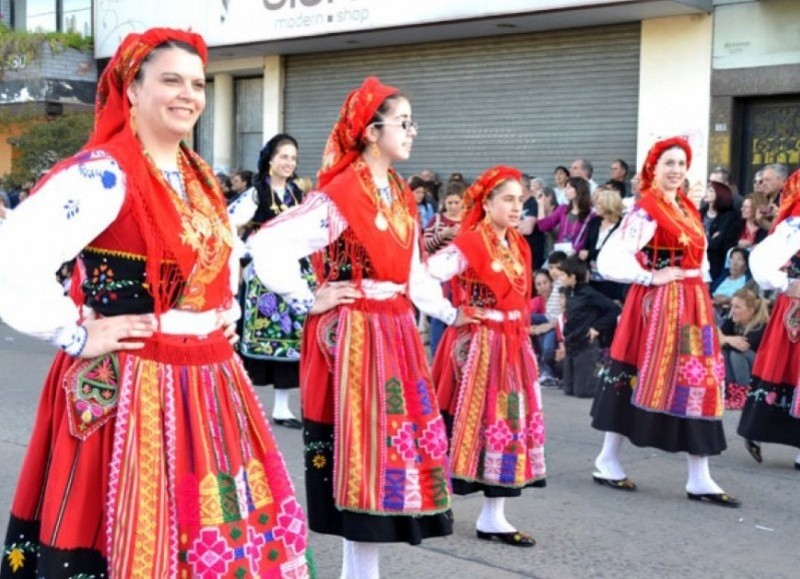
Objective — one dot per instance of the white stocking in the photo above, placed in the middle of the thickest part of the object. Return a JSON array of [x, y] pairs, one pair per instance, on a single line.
[[607, 463], [797, 459], [360, 560], [700, 481], [280, 409], [493, 517]]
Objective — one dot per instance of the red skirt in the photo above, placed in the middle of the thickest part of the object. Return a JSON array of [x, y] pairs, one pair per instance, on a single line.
[[772, 409], [154, 463], [364, 371], [487, 380]]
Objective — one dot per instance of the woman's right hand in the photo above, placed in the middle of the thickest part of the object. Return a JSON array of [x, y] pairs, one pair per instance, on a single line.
[[668, 275], [469, 315], [106, 335], [334, 294]]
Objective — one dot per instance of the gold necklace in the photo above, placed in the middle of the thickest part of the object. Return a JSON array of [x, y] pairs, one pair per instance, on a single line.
[[505, 259], [275, 208]]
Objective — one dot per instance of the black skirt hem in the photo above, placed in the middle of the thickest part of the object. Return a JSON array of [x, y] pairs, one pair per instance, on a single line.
[[613, 411], [765, 416]]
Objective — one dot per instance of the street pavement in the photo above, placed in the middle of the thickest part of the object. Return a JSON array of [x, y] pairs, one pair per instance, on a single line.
[[582, 529]]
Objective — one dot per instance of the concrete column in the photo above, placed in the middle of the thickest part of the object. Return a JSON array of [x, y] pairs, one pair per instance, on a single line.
[[273, 96], [223, 122]]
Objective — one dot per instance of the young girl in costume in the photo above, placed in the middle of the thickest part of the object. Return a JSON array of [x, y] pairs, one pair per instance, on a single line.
[[375, 444], [663, 387], [485, 373]]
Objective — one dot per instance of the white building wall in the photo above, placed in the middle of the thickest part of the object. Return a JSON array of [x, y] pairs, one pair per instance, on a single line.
[[675, 83]]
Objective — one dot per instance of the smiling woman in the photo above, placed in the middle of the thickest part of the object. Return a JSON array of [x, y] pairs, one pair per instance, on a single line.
[[150, 455]]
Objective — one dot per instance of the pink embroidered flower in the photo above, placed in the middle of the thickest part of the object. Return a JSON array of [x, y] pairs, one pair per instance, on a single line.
[[209, 555], [770, 398], [693, 371], [434, 438], [291, 526], [498, 435], [403, 442]]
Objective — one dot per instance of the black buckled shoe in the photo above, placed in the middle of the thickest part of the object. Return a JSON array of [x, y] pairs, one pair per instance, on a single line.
[[754, 449], [292, 423], [623, 484], [722, 499], [514, 538]]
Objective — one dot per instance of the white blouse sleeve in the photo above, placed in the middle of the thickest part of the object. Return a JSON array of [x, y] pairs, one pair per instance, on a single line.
[[617, 260], [294, 234], [446, 263], [49, 228], [243, 208], [426, 291], [769, 256]]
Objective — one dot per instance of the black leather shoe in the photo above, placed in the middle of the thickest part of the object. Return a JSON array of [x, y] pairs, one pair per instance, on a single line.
[[797, 466], [754, 449], [722, 499], [514, 538], [623, 484], [288, 423]]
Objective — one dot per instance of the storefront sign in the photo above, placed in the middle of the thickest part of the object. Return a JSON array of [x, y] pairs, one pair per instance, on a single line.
[[228, 22]]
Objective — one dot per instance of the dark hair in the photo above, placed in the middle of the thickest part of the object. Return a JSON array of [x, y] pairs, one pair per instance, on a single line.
[[246, 176], [269, 150], [583, 196], [417, 181], [556, 258], [723, 200], [185, 46], [565, 291], [618, 186], [455, 188], [744, 253], [561, 168], [574, 265], [622, 164], [223, 179]]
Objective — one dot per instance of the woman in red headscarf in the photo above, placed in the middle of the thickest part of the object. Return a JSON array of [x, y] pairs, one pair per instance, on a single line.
[[772, 410], [663, 387], [485, 374], [150, 456], [375, 442]]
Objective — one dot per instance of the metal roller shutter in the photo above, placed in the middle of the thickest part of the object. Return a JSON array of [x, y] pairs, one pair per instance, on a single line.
[[534, 100]]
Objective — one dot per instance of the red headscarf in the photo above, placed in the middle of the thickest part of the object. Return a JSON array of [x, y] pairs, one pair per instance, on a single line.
[[150, 199], [790, 198], [480, 190], [654, 155], [344, 142]]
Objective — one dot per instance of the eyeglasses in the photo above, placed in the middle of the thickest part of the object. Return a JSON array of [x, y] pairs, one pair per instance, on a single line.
[[406, 124]]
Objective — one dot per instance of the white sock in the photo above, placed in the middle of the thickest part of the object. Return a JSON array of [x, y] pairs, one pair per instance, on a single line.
[[797, 460], [493, 517], [700, 481], [607, 462], [360, 560], [280, 409]]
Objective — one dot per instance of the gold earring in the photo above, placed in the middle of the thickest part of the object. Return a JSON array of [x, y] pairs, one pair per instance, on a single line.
[[376, 152], [132, 114]]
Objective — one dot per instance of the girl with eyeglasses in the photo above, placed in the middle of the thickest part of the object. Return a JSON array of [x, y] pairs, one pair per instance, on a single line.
[[375, 444]]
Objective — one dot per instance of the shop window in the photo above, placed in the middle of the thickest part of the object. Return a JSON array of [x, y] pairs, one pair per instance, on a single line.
[[53, 16]]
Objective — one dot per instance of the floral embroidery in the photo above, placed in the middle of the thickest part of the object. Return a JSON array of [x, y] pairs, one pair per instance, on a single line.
[[498, 435], [290, 528], [71, 208], [210, 554], [434, 438], [404, 442], [107, 178], [693, 371], [253, 548], [319, 461]]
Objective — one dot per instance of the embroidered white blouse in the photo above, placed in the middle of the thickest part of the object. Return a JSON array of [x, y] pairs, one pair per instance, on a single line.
[[52, 227], [313, 225], [617, 260], [768, 257]]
